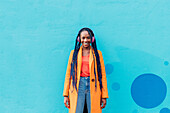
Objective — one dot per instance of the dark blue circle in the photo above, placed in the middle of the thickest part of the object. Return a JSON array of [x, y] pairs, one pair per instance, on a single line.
[[109, 68], [166, 63], [148, 90], [165, 110], [115, 86]]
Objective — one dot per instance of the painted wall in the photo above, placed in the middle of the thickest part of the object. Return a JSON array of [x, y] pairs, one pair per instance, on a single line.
[[36, 38]]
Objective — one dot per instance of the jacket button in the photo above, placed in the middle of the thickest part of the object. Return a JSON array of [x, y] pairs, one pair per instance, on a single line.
[[92, 80]]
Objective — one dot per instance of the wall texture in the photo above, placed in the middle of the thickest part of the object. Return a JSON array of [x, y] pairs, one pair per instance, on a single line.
[[36, 37]]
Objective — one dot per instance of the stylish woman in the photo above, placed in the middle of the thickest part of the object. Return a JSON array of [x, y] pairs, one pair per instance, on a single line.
[[85, 79]]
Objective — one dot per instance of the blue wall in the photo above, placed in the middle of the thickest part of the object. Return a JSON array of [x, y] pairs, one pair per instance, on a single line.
[[36, 37]]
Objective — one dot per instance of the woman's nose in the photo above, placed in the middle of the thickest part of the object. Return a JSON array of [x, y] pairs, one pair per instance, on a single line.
[[85, 39]]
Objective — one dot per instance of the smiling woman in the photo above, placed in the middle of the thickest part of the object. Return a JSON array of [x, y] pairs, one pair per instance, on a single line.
[[85, 79], [85, 39]]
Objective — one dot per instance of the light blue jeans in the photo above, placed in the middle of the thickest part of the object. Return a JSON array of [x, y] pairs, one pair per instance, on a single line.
[[83, 93]]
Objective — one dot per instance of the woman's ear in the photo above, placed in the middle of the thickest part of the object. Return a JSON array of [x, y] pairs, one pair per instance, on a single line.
[[78, 39]]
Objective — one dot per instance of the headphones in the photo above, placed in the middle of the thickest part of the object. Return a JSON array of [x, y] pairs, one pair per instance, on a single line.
[[78, 39]]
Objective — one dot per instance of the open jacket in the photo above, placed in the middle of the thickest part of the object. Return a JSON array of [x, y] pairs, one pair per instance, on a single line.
[[96, 95]]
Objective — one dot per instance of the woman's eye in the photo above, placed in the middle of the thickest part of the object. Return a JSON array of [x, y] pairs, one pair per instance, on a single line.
[[86, 37]]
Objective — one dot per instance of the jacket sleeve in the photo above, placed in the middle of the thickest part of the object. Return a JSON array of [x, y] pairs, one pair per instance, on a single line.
[[104, 80], [67, 76]]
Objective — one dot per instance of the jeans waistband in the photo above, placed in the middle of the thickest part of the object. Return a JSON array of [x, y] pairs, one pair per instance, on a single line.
[[84, 77]]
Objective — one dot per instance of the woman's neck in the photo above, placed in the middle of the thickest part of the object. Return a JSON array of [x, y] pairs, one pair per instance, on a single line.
[[85, 51]]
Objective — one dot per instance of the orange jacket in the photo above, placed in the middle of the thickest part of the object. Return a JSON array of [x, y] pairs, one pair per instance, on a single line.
[[95, 95]]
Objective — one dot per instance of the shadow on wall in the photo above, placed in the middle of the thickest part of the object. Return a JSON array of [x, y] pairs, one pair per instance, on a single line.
[[135, 61]]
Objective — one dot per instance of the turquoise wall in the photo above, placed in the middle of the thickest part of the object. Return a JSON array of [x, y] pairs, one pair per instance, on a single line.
[[36, 38]]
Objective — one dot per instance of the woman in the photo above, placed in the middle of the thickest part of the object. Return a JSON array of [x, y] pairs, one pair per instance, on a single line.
[[85, 79]]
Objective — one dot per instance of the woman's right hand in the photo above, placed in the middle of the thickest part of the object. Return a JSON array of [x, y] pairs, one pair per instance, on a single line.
[[67, 102]]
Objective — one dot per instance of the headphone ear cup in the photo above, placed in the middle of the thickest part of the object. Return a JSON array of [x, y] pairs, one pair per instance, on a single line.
[[78, 39], [93, 39]]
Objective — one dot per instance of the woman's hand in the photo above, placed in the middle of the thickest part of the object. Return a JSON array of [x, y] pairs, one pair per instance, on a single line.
[[103, 101], [67, 102]]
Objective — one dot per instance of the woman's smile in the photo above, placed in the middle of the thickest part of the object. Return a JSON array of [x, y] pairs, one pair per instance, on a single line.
[[86, 44]]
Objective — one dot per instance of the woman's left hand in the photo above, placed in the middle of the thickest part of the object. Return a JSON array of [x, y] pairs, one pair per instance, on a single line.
[[103, 103]]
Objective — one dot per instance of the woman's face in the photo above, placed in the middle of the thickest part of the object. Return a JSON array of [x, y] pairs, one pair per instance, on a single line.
[[85, 39]]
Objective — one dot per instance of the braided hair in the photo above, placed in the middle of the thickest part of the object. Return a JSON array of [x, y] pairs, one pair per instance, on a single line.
[[73, 73]]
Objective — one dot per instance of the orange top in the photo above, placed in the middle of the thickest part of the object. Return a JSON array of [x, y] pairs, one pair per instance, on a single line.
[[85, 66]]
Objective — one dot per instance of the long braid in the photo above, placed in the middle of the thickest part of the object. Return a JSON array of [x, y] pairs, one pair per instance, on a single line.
[[74, 65], [98, 65]]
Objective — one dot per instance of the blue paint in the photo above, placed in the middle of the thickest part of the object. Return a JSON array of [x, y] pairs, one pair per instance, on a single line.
[[164, 110], [109, 68], [148, 90], [166, 63], [115, 86]]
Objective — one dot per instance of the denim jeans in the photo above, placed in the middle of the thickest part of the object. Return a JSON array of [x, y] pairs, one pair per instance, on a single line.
[[83, 93]]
